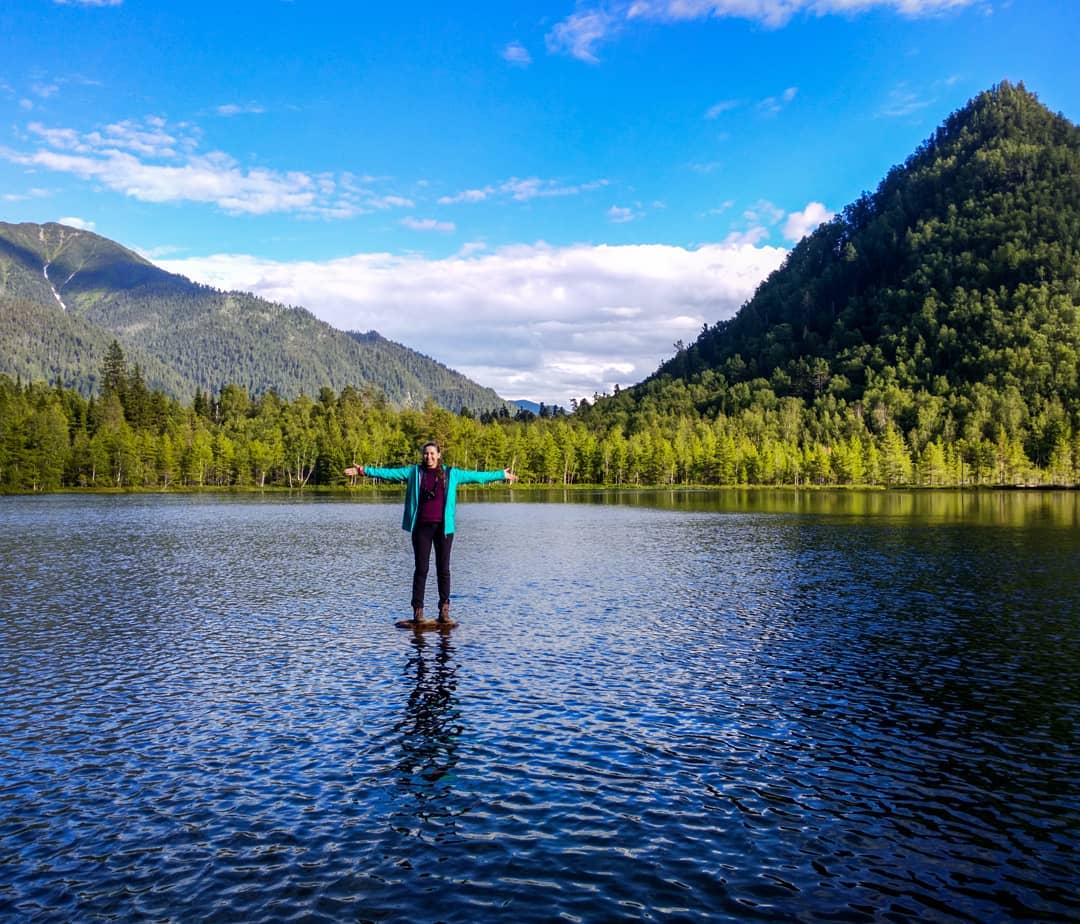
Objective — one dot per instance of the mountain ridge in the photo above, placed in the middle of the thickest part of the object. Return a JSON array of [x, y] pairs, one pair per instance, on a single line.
[[186, 336]]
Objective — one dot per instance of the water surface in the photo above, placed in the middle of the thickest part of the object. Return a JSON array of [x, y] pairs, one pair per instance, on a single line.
[[662, 706]]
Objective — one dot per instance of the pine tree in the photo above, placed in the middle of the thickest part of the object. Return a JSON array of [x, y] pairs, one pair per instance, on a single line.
[[114, 375]]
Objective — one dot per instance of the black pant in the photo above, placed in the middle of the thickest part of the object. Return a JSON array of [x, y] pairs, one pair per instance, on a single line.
[[423, 537]]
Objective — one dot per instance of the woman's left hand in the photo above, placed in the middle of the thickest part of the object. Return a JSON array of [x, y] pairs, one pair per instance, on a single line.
[[509, 476]]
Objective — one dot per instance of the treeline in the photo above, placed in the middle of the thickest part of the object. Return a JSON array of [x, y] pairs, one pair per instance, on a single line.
[[131, 437]]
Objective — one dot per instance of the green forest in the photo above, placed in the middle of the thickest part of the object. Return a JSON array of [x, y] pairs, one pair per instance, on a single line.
[[132, 438]]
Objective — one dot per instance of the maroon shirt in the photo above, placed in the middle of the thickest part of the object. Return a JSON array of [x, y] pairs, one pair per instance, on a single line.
[[432, 495]]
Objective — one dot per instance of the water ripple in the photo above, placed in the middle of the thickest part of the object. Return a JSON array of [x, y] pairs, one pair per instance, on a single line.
[[646, 714]]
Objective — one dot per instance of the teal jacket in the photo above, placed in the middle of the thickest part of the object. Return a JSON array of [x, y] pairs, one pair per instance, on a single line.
[[410, 474]]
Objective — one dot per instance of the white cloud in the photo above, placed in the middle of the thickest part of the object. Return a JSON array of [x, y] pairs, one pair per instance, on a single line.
[[522, 190], [428, 224], [579, 34], [799, 224], [722, 208], [532, 321], [620, 215], [233, 109], [772, 105], [46, 86], [902, 102], [390, 202], [80, 223], [516, 53], [469, 195], [534, 188], [718, 109], [35, 192], [154, 162], [65, 139], [151, 139], [750, 237], [211, 178], [777, 13], [763, 216], [764, 212]]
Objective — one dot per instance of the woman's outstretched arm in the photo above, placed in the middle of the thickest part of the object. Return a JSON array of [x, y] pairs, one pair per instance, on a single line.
[[386, 474], [467, 476]]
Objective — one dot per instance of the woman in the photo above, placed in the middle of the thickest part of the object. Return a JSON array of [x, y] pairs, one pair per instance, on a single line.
[[430, 501]]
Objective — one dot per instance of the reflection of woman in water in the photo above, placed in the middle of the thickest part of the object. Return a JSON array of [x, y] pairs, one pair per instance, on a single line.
[[430, 502], [429, 732], [430, 727]]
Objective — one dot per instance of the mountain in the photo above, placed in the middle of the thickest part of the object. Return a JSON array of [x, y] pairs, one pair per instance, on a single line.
[[65, 294], [947, 302]]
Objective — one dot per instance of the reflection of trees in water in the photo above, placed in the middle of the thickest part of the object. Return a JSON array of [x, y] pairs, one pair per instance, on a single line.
[[428, 741], [1002, 506]]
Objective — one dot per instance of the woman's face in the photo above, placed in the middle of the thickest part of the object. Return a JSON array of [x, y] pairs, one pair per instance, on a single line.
[[431, 456]]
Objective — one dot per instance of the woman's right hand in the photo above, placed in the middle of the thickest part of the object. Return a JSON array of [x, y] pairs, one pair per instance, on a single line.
[[353, 470]]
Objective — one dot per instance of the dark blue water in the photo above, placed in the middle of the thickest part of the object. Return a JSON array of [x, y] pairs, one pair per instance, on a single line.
[[675, 708]]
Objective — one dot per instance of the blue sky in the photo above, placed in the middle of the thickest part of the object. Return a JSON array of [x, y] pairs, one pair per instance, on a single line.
[[543, 196]]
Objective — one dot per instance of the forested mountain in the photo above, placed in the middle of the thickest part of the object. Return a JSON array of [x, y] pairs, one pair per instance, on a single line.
[[928, 335], [944, 308], [40, 342], [65, 294]]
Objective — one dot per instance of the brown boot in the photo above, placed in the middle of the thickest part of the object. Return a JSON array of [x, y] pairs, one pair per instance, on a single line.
[[445, 621], [417, 622]]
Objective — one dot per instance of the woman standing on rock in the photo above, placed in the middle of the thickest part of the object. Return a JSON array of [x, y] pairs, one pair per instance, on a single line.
[[430, 502]]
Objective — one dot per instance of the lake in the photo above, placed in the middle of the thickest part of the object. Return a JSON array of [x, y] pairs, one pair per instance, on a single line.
[[659, 706]]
